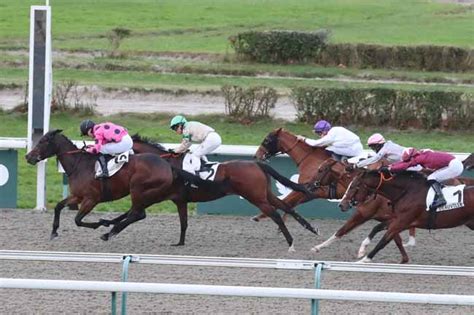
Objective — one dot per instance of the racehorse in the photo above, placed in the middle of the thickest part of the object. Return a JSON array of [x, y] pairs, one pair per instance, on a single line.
[[407, 194], [377, 208], [307, 159], [469, 162], [248, 179], [147, 178], [333, 172]]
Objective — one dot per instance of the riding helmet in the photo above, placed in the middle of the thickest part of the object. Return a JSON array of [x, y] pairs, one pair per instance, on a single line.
[[322, 126], [86, 125], [177, 120]]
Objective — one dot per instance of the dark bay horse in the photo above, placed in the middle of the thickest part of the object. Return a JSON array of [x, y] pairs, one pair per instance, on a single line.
[[377, 208], [307, 159], [147, 178], [469, 162], [407, 194], [248, 179]]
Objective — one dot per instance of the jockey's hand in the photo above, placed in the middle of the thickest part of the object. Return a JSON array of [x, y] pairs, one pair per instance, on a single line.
[[350, 167], [385, 170], [171, 151], [300, 138]]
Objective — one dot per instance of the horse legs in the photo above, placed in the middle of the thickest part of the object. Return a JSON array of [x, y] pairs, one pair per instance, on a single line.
[[114, 221], [365, 243], [411, 238], [86, 206], [275, 216], [183, 220], [276, 202], [356, 220], [292, 200], [57, 214], [394, 229], [133, 215], [398, 241]]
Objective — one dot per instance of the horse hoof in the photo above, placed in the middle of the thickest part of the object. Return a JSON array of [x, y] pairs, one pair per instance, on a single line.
[[255, 219], [53, 236], [404, 261], [105, 237], [291, 249], [105, 223], [364, 260], [178, 244]]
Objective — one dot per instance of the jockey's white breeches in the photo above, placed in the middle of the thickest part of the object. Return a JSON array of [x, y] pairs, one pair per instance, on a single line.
[[114, 148], [209, 144], [350, 151], [454, 169]]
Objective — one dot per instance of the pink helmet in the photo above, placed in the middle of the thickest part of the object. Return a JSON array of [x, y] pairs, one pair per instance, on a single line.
[[322, 126], [408, 153], [376, 138]]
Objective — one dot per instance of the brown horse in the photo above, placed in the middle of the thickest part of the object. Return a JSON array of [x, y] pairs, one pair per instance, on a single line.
[[407, 194], [377, 208], [307, 159], [147, 178], [248, 179], [469, 162]]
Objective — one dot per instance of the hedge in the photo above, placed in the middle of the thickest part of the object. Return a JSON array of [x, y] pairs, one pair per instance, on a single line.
[[302, 47], [385, 107], [279, 46]]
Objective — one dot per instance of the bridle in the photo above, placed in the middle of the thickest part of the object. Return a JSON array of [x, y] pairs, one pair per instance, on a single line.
[[270, 146]]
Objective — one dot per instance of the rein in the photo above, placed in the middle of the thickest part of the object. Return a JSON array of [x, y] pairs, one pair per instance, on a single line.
[[382, 180]]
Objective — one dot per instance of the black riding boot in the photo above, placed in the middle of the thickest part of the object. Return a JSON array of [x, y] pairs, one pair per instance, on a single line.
[[438, 201], [103, 165]]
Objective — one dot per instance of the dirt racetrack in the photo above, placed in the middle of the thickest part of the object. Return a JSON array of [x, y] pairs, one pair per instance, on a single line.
[[219, 236]]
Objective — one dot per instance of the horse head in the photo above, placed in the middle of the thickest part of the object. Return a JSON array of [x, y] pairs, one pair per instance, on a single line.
[[361, 187], [270, 146], [46, 147], [469, 162]]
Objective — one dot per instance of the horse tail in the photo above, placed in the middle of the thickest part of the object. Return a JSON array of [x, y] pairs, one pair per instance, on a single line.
[[280, 204], [215, 187], [267, 169]]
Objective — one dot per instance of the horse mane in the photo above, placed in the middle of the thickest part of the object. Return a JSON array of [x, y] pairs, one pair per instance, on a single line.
[[411, 175], [138, 138]]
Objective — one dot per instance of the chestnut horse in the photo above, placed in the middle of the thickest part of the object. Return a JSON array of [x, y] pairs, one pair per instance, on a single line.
[[146, 177], [248, 179], [407, 194], [307, 159]]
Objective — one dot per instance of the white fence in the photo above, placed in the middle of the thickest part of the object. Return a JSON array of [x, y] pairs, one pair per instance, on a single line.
[[243, 291], [267, 292]]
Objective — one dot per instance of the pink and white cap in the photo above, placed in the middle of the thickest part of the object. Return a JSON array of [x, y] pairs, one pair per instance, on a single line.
[[376, 138]]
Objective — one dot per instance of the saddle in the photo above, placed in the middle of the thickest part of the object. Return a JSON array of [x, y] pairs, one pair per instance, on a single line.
[[205, 170], [110, 163], [454, 196]]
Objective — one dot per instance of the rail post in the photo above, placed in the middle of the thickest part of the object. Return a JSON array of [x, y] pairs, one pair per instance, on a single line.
[[317, 285]]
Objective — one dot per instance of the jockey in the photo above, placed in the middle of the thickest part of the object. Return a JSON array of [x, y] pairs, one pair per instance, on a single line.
[[193, 131], [444, 165], [383, 149], [339, 142], [109, 139]]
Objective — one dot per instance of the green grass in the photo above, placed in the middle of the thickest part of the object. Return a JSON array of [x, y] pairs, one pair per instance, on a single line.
[[202, 82], [203, 26], [156, 126]]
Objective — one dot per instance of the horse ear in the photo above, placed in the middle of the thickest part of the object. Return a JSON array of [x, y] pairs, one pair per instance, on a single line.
[[56, 131], [278, 130]]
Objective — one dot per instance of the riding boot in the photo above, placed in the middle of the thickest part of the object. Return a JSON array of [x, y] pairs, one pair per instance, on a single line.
[[438, 201], [103, 165]]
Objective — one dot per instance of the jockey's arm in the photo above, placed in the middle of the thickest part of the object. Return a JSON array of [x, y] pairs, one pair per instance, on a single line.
[[371, 160], [184, 145], [99, 142], [324, 141], [401, 166]]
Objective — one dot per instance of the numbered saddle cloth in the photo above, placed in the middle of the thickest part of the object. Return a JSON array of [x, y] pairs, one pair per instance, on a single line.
[[205, 170], [454, 196], [114, 163]]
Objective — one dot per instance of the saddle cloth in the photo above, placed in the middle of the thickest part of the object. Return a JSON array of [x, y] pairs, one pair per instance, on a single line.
[[115, 163], [205, 170], [454, 196]]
